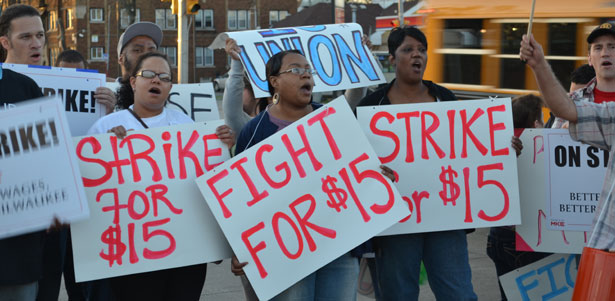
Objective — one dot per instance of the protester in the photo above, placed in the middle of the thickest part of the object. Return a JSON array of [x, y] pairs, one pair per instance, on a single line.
[[592, 120], [501, 247], [579, 78], [290, 81], [445, 253], [138, 38], [142, 98], [21, 257]]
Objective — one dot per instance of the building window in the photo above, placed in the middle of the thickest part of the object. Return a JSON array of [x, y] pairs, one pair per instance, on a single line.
[[238, 19], [512, 70], [165, 18], [204, 19], [562, 48], [69, 18], [53, 55], [171, 53], [96, 15], [204, 57], [97, 53], [53, 21], [125, 17], [277, 15]]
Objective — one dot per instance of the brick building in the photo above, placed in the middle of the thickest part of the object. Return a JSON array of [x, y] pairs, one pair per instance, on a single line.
[[93, 27]]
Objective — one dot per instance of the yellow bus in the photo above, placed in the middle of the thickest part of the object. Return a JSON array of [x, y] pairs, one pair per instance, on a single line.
[[474, 44]]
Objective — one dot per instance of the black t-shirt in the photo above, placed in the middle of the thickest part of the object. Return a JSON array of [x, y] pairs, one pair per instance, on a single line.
[[21, 257], [379, 97]]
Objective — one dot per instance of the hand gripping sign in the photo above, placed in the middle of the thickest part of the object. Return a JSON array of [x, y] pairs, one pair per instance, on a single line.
[[533, 234], [551, 278], [39, 175], [75, 87], [335, 51], [455, 164], [195, 100], [301, 198], [147, 212]]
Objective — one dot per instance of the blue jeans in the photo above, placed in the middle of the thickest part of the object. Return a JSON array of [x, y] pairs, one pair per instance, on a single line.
[[445, 255], [334, 281], [19, 292]]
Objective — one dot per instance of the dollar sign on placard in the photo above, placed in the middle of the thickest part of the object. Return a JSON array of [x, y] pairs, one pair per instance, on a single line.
[[449, 182], [334, 193], [113, 238]]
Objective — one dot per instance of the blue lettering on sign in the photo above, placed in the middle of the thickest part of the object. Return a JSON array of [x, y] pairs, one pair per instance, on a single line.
[[297, 43], [569, 280], [336, 75], [523, 289], [276, 32], [314, 28], [554, 290], [361, 60], [251, 70]]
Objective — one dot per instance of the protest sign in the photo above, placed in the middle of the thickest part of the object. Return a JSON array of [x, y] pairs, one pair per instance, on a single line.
[[574, 181], [195, 100], [454, 161], [335, 51], [39, 175], [301, 198], [76, 89], [533, 234], [551, 278], [147, 212]]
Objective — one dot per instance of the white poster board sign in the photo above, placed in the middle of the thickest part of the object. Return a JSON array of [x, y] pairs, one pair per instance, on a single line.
[[39, 175], [335, 51], [195, 100], [533, 233], [455, 164], [76, 89], [147, 212], [551, 278], [301, 198], [575, 174]]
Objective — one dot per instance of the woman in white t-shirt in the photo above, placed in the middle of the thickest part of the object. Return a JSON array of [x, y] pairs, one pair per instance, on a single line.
[[142, 97]]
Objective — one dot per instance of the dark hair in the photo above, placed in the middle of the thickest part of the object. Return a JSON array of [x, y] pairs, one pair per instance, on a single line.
[[399, 34], [583, 74], [12, 12], [125, 95], [70, 56], [274, 64], [525, 110]]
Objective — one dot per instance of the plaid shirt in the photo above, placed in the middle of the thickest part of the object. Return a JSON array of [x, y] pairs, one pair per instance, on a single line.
[[585, 94], [596, 126]]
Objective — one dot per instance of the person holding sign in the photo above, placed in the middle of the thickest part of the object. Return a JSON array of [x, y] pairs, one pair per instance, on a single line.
[[290, 81], [501, 246], [143, 96], [445, 253], [591, 122], [20, 256]]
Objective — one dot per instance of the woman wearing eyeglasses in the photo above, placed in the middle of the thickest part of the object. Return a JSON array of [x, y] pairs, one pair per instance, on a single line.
[[290, 81], [143, 96]]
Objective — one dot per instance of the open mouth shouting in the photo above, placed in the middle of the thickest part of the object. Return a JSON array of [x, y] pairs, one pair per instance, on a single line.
[[306, 89], [154, 90]]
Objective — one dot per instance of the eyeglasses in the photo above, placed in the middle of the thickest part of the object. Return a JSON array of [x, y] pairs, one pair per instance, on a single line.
[[149, 74], [299, 71]]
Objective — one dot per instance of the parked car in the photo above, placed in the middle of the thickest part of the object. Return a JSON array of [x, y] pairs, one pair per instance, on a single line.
[[220, 82]]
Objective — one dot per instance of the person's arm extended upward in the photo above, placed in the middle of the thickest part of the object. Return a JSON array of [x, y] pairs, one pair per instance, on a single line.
[[555, 96]]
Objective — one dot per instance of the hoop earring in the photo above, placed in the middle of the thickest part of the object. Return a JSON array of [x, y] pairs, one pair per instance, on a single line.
[[275, 99]]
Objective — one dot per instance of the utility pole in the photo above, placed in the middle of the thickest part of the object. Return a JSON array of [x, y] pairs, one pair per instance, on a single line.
[[182, 42], [400, 12]]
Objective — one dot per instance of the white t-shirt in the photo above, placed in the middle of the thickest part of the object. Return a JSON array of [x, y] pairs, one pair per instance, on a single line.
[[130, 122]]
